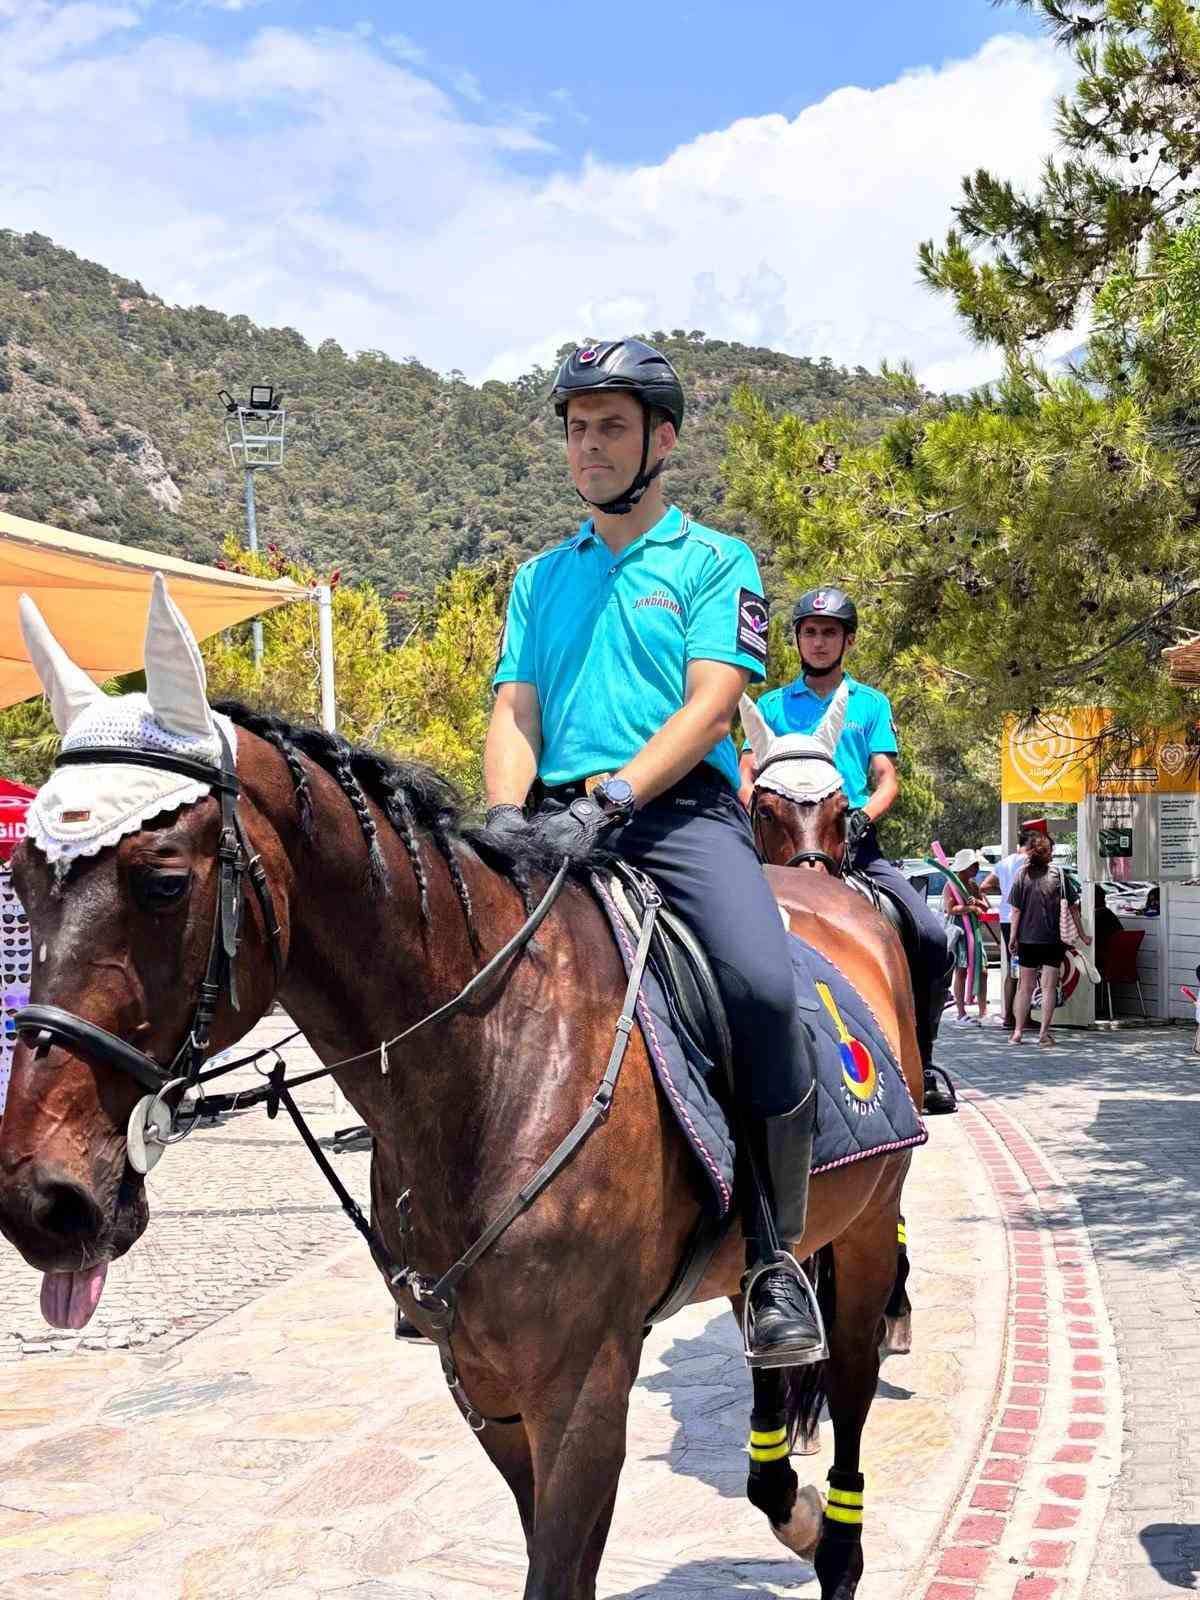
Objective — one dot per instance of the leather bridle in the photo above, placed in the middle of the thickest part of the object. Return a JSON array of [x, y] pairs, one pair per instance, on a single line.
[[46, 1026], [802, 858]]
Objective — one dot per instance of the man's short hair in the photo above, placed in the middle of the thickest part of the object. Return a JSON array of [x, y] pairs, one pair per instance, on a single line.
[[658, 416], [1028, 834]]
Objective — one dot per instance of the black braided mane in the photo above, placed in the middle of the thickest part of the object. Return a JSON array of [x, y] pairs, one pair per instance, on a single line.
[[413, 797]]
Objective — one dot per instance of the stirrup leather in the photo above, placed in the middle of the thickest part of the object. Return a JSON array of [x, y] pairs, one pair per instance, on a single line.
[[786, 1260]]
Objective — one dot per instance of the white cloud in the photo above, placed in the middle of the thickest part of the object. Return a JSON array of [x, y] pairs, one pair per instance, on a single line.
[[318, 179]]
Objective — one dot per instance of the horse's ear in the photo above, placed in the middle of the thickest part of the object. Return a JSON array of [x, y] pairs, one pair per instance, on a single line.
[[829, 729], [760, 736], [68, 687], [175, 681]]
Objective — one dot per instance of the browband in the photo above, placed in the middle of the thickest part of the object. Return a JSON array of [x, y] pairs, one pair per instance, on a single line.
[[163, 761], [793, 755]]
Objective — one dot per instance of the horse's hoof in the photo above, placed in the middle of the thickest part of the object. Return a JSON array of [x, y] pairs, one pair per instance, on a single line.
[[897, 1336], [802, 1529]]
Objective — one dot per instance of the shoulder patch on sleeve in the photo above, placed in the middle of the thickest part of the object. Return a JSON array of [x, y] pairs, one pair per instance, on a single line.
[[752, 620]]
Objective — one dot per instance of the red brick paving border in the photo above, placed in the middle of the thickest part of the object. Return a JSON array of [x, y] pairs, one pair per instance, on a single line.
[[1044, 1267]]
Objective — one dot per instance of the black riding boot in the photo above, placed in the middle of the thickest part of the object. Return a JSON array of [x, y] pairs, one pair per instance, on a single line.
[[784, 1332]]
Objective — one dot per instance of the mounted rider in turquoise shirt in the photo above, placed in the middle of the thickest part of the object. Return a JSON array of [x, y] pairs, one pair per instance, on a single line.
[[625, 652], [825, 623]]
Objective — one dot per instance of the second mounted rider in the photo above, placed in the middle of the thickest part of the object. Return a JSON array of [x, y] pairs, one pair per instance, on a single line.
[[824, 627]]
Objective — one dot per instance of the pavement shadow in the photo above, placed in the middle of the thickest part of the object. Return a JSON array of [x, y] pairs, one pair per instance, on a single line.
[[1174, 1551], [725, 1580], [1138, 1163], [711, 1397]]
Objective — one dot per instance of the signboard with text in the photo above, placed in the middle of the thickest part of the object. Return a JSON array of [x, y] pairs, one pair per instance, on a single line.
[[1063, 757]]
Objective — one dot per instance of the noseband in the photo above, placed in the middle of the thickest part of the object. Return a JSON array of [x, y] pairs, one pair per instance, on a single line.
[[46, 1026], [802, 858]]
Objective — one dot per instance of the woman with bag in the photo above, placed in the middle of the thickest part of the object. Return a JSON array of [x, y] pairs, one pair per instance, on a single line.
[[1045, 908]]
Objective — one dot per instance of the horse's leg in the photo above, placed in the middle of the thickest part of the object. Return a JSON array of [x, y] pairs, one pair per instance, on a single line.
[[897, 1315], [864, 1268], [577, 1437], [772, 1485], [594, 1553], [507, 1445]]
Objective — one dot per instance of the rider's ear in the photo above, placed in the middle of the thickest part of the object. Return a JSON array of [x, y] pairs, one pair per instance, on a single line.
[[175, 680]]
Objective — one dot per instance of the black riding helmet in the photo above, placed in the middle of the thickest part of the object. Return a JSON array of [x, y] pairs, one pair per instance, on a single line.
[[831, 603], [623, 364]]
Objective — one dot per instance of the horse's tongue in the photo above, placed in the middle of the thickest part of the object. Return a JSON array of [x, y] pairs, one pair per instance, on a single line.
[[70, 1298]]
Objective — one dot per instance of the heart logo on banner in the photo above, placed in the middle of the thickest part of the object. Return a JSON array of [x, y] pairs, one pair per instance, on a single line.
[[1172, 758], [1041, 758]]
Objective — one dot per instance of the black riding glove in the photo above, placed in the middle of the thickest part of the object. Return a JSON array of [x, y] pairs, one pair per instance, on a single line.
[[507, 823], [577, 831], [858, 825]]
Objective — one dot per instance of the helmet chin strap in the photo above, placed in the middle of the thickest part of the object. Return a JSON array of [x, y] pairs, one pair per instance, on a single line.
[[621, 503]]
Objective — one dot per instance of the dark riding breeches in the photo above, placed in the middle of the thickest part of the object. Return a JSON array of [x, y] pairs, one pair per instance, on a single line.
[[696, 843], [931, 976]]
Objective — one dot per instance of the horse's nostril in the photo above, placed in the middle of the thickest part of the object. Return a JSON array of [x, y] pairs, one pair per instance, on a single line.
[[65, 1211]]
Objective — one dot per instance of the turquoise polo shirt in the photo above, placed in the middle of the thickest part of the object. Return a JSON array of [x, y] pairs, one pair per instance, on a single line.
[[606, 640], [869, 730]]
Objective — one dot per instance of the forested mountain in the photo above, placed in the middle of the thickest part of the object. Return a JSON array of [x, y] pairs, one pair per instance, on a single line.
[[110, 425]]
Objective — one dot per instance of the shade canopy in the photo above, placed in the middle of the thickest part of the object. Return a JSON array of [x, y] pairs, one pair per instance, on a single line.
[[95, 595]]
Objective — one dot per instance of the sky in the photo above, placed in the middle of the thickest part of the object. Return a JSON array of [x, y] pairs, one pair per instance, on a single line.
[[474, 184]]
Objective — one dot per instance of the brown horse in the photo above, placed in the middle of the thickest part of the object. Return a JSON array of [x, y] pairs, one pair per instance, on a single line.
[[386, 905], [798, 811]]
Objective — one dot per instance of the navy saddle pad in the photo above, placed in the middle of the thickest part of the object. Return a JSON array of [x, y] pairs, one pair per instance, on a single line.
[[864, 1108]]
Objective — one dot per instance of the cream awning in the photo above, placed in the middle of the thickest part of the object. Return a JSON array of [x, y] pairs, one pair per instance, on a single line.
[[95, 594]]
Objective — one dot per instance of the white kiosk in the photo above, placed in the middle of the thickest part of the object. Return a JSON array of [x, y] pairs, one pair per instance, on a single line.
[[1138, 822]]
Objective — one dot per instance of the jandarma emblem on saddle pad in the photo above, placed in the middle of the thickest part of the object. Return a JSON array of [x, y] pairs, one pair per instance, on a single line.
[[862, 1087]]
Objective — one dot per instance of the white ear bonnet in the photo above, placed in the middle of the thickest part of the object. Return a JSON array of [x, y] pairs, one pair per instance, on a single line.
[[800, 767], [83, 809]]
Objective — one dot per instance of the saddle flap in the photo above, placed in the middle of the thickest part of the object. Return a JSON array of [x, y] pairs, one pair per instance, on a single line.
[[682, 967]]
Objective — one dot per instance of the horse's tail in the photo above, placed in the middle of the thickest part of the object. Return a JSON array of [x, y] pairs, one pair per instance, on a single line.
[[805, 1389]]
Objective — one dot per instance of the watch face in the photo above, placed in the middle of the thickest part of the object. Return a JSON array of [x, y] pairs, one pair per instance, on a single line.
[[618, 791]]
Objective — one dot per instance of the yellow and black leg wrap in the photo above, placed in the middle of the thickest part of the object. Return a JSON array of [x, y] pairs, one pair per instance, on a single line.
[[844, 1507], [771, 1483], [768, 1441]]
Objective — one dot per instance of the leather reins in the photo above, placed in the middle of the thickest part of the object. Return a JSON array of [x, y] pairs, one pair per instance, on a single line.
[[436, 1296]]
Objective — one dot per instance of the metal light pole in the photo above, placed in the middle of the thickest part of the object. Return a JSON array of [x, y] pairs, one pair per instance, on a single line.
[[254, 432], [324, 594]]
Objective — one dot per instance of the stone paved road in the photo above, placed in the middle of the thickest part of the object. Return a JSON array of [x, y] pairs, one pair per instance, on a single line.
[[1120, 1116], [235, 1208]]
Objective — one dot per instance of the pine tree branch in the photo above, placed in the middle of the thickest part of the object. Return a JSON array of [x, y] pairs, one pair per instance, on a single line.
[[1077, 669]]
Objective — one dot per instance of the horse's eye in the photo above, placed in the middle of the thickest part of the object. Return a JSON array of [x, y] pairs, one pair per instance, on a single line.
[[157, 891]]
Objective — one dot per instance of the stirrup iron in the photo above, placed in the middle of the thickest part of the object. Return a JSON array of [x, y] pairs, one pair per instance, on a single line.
[[785, 1259]]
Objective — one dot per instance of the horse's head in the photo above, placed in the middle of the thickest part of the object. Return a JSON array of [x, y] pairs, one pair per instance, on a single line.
[[120, 878], [799, 805]]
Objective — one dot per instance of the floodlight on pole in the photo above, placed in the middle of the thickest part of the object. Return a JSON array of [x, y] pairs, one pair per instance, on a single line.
[[254, 431]]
